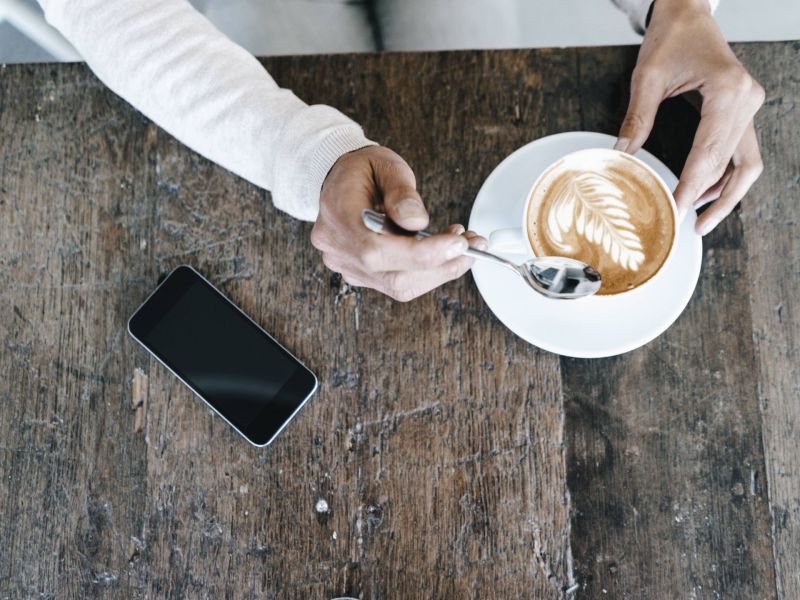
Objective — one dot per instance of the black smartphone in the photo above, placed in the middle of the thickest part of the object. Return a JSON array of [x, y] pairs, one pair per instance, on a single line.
[[222, 355]]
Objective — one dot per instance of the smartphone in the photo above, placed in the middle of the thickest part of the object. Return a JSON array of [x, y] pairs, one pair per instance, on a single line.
[[222, 355]]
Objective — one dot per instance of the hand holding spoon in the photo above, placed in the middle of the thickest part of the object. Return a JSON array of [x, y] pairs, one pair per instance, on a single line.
[[552, 276]]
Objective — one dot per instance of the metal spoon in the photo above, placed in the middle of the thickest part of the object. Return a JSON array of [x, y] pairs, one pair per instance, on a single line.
[[552, 276]]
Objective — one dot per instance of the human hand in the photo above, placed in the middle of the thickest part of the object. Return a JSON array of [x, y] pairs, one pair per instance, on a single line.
[[400, 267], [684, 51]]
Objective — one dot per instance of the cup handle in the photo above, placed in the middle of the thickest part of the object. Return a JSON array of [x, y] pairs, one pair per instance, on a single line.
[[507, 240]]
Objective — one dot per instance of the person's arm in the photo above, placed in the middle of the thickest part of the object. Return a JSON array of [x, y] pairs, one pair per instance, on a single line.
[[169, 62], [684, 51]]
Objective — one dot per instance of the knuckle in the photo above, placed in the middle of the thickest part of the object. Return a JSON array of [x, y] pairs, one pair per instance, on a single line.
[[633, 120], [329, 261], [638, 76], [644, 75], [350, 280], [756, 167], [398, 287], [426, 255], [406, 190], [370, 257], [404, 295], [736, 78], [401, 168], [397, 167], [738, 86], [455, 270], [758, 94], [742, 80], [714, 157], [393, 282], [317, 237]]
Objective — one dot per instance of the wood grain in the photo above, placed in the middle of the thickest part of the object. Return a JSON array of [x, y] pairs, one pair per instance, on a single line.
[[438, 439], [74, 473], [666, 464], [770, 219]]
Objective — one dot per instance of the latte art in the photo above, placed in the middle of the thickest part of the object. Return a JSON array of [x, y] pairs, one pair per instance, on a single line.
[[593, 206], [604, 208]]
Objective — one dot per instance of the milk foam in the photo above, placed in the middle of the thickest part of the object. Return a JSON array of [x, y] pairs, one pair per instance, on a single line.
[[604, 208]]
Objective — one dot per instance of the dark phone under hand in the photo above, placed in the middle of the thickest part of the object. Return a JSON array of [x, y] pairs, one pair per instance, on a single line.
[[222, 355]]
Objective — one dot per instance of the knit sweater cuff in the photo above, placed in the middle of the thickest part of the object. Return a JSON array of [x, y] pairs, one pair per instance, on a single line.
[[297, 188]]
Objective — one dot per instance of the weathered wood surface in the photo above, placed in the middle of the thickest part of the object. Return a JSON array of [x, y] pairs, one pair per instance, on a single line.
[[437, 438], [666, 449], [771, 224]]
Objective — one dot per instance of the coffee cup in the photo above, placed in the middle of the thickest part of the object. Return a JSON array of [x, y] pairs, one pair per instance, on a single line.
[[603, 207]]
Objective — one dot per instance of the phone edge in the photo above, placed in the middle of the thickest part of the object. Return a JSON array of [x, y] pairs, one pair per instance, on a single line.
[[194, 391]]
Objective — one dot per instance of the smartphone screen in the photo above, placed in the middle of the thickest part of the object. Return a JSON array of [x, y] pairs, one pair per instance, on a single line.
[[247, 377]]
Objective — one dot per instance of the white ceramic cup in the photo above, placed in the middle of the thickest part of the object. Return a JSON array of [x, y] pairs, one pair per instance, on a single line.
[[516, 240]]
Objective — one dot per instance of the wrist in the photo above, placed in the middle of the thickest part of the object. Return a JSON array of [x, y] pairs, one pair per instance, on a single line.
[[341, 162], [682, 7], [298, 181], [334, 150], [678, 13]]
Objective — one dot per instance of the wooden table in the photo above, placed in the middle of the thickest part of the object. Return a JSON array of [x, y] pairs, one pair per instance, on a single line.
[[456, 460]]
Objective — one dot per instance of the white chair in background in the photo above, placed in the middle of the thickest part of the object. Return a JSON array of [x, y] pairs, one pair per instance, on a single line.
[[31, 23]]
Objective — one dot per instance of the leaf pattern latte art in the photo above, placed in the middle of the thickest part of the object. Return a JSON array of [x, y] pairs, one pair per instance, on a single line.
[[593, 206]]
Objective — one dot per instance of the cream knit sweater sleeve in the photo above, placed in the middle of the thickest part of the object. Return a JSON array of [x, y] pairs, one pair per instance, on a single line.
[[169, 62], [173, 65]]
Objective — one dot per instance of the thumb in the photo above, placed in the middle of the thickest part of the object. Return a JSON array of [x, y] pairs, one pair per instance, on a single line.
[[401, 201], [646, 95]]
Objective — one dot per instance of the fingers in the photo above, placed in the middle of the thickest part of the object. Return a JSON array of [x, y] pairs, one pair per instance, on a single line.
[[388, 180], [476, 241], [404, 286], [407, 285], [647, 92], [456, 229], [354, 267], [354, 281], [397, 253], [714, 144], [723, 120], [398, 187], [715, 190], [398, 265], [747, 168]]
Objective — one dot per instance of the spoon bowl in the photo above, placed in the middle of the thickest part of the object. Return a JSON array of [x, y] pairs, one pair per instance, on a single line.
[[560, 277]]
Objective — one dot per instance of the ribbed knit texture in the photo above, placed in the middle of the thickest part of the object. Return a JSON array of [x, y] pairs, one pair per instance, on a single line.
[[172, 64]]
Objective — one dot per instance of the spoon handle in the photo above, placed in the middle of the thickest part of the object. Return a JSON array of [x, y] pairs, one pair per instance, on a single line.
[[379, 223]]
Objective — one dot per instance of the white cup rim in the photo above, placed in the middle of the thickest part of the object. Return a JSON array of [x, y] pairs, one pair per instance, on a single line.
[[649, 169]]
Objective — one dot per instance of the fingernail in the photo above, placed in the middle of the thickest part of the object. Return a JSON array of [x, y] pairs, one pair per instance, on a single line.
[[622, 144], [481, 244], [456, 249], [410, 208], [459, 229], [708, 226]]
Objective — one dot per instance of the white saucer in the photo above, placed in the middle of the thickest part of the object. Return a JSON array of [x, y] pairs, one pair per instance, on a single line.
[[576, 328]]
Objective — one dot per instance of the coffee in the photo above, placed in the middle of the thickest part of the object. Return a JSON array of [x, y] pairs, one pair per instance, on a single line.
[[607, 209]]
